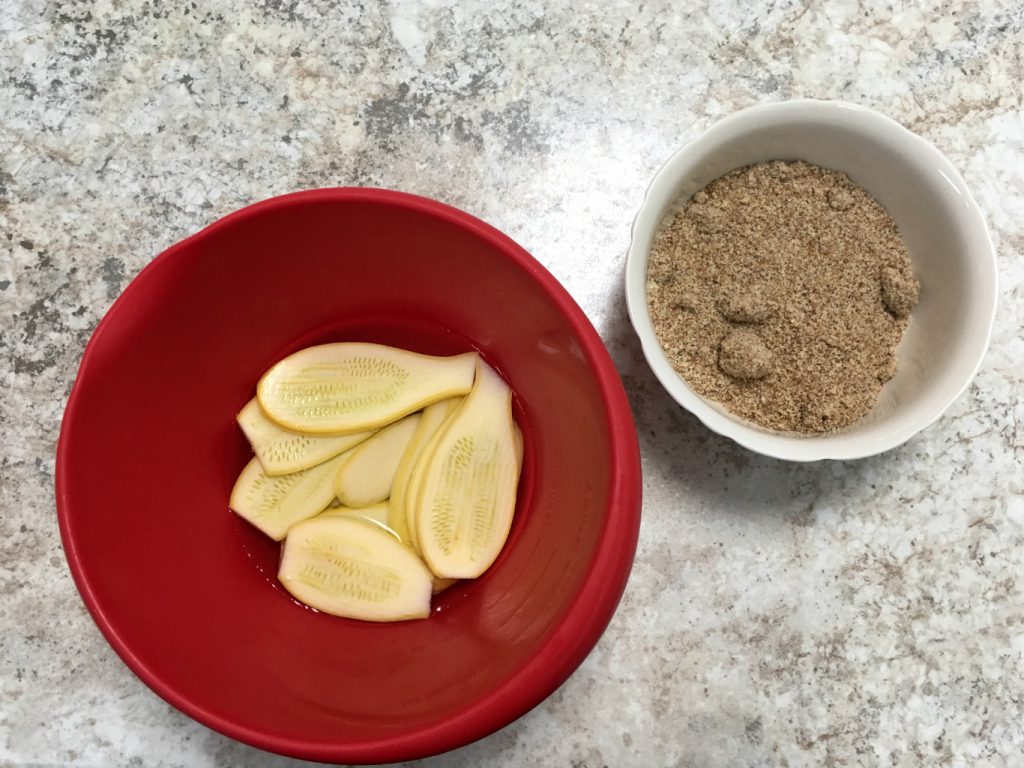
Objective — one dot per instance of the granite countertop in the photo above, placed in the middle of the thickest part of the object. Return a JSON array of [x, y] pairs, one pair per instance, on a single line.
[[862, 613]]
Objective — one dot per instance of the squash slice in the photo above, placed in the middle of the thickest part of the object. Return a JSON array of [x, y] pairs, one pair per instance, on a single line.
[[356, 569], [282, 452], [433, 417], [365, 477], [353, 386], [274, 504], [378, 513], [467, 492]]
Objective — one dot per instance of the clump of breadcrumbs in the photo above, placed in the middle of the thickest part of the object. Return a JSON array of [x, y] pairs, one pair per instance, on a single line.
[[781, 290]]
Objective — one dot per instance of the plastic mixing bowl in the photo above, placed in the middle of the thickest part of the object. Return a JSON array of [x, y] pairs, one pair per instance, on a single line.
[[185, 591]]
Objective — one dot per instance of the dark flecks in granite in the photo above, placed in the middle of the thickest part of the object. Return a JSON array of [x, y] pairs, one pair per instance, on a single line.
[[283, 9], [6, 182], [25, 85], [106, 40], [112, 272], [388, 117], [753, 730], [79, 44], [30, 348], [516, 126], [462, 130]]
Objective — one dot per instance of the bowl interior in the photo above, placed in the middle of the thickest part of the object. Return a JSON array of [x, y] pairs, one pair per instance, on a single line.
[[940, 224], [186, 591]]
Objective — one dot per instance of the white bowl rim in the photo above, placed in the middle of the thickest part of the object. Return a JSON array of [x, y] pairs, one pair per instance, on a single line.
[[774, 444]]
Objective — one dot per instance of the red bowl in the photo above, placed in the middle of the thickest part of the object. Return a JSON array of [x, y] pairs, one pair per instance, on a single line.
[[186, 592]]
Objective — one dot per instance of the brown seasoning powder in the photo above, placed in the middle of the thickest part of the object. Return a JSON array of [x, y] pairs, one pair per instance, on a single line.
[[793, 279]]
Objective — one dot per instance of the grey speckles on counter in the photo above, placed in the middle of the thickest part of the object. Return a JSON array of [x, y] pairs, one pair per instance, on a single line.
[[841, 614]]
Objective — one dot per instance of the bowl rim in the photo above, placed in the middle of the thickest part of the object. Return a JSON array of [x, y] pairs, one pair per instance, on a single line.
[[750, 119], [590, 610]]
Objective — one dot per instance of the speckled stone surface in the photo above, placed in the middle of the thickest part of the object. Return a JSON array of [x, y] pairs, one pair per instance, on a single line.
[[837, 614]]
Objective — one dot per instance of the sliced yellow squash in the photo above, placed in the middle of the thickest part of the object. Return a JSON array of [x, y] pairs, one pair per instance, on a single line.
[[433, 417], [365, 477], [410, 499], [353, 386], [376, 512], [282, 452], [273, 504], [352, 568], [468, 492], [376, 523]]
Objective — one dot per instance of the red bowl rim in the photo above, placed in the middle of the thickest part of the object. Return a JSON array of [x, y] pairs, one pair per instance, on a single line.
[[590, 611]]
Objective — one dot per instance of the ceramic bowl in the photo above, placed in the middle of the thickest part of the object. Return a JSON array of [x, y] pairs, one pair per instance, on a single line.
[[942, 226]]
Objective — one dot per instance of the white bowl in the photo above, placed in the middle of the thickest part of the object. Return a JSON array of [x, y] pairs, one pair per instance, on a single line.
[[943, 229]]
